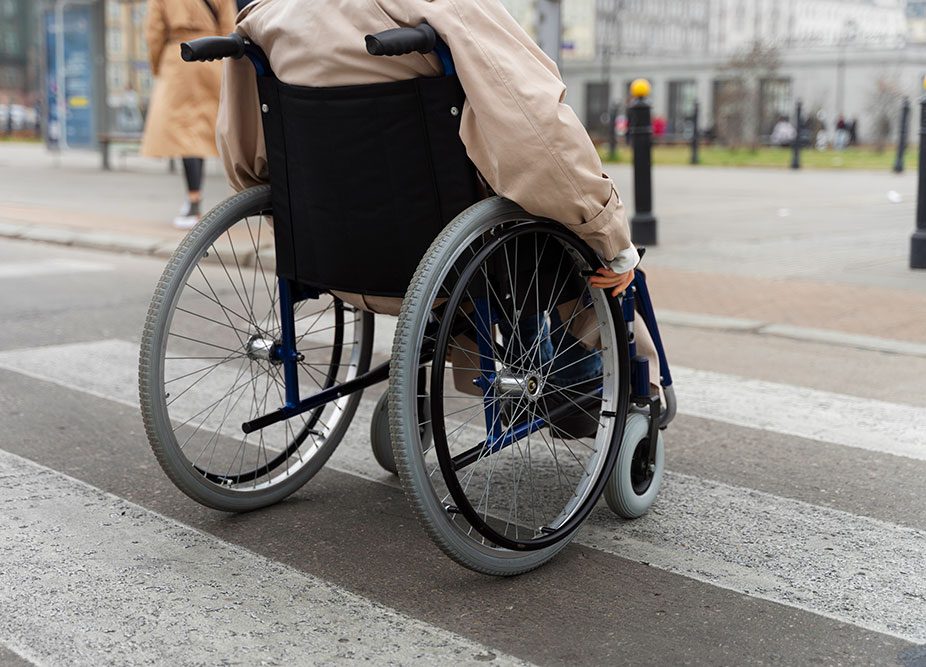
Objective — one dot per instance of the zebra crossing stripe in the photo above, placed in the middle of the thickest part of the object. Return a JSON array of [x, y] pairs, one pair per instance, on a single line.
[[137, 587], [825, 561], [48, 267], [878, 426], [809, 557]]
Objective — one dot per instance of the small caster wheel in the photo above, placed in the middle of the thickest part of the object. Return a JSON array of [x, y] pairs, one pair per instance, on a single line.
[[634, 484], [380, 438], [379, 435]]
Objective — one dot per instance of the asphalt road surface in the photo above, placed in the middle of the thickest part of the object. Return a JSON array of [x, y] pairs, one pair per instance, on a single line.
[[791, 528]]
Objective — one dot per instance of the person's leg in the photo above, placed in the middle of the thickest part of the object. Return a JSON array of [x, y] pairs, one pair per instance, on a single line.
[[573, 362], [646, 348], [193, 173], [583, 326]]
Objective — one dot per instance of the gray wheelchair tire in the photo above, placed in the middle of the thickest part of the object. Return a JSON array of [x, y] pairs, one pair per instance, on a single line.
[[619, 494], [413, 318], [151, 366]]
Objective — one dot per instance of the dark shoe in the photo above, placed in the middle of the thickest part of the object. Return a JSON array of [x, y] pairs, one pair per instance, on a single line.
[[580, 421]]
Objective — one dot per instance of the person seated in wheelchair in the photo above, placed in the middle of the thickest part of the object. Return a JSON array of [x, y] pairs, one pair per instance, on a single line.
[[525, 141]]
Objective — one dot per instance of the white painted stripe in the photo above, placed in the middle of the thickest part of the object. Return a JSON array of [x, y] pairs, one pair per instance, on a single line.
[[850, 568], [878, 426], [843, 339], [805, 334], [888, 428], [138, 587], [704, 321], [48, 267]]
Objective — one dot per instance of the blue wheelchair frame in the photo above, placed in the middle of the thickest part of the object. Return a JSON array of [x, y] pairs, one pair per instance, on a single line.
[[636, 301]]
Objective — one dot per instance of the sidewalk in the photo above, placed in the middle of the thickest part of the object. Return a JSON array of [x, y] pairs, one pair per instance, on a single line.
[[740, 249], [69, 200]]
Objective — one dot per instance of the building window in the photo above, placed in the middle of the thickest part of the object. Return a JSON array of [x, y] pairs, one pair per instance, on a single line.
[[113, 11], [597, 105], [774, 102], [681, 106], [115, 77], [114, 37], [10, 42]]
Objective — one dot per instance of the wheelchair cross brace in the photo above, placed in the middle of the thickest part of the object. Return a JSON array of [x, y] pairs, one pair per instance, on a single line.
[[288, 357]]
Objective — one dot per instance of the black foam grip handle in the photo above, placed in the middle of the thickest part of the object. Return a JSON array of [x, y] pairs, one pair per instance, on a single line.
[[399, 41], [212, 48]]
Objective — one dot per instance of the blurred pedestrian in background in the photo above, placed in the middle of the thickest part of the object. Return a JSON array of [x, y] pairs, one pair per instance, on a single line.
[[841, 140], [184, 104], [784, 133]]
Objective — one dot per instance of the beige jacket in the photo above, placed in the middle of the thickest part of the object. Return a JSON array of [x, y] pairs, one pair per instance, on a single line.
[[182, 113], [527, 143]]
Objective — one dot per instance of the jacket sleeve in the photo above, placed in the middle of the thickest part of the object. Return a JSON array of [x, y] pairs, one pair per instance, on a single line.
[[156, 30], [527, 143], [239, 131]]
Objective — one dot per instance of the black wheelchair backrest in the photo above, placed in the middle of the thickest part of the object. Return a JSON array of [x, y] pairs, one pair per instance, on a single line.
[[363, 177]]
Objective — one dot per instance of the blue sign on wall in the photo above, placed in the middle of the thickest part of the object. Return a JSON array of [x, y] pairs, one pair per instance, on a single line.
[[70, 89]]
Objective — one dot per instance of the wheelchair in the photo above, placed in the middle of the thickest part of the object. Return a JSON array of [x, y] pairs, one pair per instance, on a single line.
[[516, 398]]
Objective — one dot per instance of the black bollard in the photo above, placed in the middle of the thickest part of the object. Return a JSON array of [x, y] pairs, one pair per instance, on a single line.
[[796, 144], [695, 134], [612, 133], [902, 140], [918, 241], [643, 223]]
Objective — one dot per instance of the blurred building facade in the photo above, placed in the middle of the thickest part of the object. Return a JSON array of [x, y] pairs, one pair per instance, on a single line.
[[916, 21], [19, 52], [852, 58], [128, 74]]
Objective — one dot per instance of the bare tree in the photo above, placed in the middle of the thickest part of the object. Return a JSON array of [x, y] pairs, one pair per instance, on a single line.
[[738, 113], [884, 105]]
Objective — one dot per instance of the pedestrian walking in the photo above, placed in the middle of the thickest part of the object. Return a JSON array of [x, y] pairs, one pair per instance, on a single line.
[[182, 114], [783, 134], [841, 139]]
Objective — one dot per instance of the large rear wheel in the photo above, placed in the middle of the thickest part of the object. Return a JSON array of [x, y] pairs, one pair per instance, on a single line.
[[527, 425], [208, 364]]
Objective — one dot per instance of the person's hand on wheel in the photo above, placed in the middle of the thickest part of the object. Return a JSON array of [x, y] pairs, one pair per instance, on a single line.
[[606, 279]]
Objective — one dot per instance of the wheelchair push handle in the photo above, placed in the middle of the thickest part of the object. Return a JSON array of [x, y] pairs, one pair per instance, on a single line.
[[213, 48], [399, 41]]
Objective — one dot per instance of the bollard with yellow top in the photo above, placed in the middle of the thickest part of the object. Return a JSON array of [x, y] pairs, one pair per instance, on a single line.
[[643, 222]]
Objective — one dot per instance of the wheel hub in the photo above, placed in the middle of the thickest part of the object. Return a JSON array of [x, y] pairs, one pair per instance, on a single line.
[[510, 385], [260, 348], [641, 471]]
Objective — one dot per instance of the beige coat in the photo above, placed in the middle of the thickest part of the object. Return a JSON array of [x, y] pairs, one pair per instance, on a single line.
[[527, 143], [182, 113], [525, 140]]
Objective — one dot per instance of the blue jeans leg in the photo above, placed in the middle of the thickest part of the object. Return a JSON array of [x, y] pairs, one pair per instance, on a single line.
[[541, 342]]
